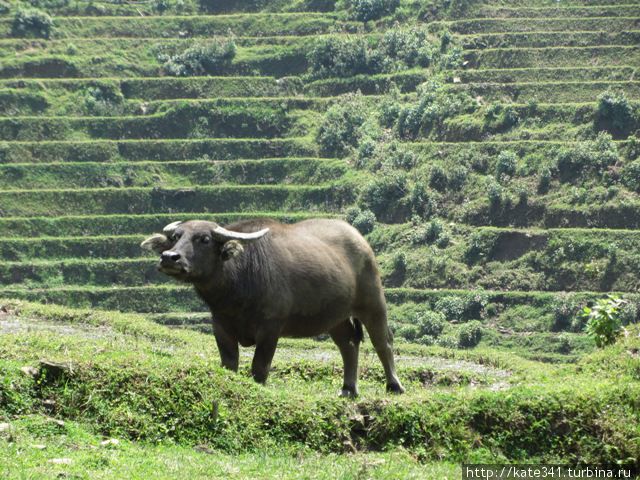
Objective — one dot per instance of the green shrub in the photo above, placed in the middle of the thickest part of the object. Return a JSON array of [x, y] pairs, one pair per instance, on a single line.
[[614, 114], [603, 320], [29, 22], [341, 125], [438, 178], [631, 176], [427, 233], [435, 104], [506, 164], [422, 201], [453, 307], [470, 334], [204, 58], [495, 195], [544, 181], [430, 323], [384, 194], [588, 156], [344, 57], [103, 100], [499, 117], [463, 307], [565, 308], [363, 220], [4, 7], [480, 246], [407, 47], [365, 10]]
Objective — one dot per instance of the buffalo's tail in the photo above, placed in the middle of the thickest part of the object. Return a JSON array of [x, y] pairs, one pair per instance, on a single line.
[[358, 333]]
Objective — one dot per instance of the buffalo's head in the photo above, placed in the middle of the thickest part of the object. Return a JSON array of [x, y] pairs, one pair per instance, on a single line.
[[193, 251]]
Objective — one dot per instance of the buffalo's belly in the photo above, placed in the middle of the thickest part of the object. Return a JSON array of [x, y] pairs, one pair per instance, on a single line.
[[312, 325]]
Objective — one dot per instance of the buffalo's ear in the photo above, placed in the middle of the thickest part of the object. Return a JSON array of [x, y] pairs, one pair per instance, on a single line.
[[157, 243], [231, 249]]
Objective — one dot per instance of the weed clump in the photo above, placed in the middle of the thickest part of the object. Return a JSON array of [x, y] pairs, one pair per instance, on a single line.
[[615, 114], [31, 22], [363, 220], [341, 127], [205, 58], [365, 10]]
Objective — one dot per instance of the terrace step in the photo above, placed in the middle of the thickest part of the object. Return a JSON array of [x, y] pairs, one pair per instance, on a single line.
[[33, 230], [170, 174], [549, 92], [565, 24], [127, 58], [550, 39], [557, 74], [186, 200], [239, 119], [489, 258], [511, 58], [167, 298], [258, 25], [624, 9], [154, 149]]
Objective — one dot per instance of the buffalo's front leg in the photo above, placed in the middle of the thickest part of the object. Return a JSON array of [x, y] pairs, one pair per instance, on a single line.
[[265, 349], [228, 347]]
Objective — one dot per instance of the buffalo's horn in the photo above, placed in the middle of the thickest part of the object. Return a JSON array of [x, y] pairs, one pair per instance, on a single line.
[[169, 229], [156, 243], [222, 233]]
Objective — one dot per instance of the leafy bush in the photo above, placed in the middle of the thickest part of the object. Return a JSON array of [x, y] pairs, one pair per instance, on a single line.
[[428, 233], [480, 246], [588, 156], [422, 201], [499, 117], [341, 126], [506, 164], [384, 194], [423, 326], [4, 7], [614, 114], [365, 10], [29, 22], [408, 47], [544, 181], [103, 100], [462, 307], [470, 334], [430, 324], [603, 320], [344, 57], [631, 176], [565, 309], [453, 307], [435, 104], [363, 220], [438, 178], [205, 58]]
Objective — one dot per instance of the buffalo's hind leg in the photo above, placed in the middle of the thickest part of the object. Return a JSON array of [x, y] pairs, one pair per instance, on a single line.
[[375, 321], [347, 336]]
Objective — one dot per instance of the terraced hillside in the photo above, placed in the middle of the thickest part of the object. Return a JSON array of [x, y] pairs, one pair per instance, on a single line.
[[488, 149]]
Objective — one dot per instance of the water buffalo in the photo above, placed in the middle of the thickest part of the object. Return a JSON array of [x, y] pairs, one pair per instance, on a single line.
[[264, 280]]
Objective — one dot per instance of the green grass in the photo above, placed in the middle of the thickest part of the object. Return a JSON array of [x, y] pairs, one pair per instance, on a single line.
[[83, 181], [177, 394]]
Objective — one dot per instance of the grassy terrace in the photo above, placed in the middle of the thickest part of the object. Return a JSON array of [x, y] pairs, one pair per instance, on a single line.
[[495, 179]]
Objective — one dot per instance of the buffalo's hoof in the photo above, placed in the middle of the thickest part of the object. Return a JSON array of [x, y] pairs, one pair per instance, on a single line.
[[395, 388], [348, 392]]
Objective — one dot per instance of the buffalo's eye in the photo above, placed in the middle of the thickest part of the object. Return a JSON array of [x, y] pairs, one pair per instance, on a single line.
[[175, 237], [205, 239]]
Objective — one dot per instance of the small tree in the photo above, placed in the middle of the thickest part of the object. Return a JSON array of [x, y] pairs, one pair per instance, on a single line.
[[603, 320]]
